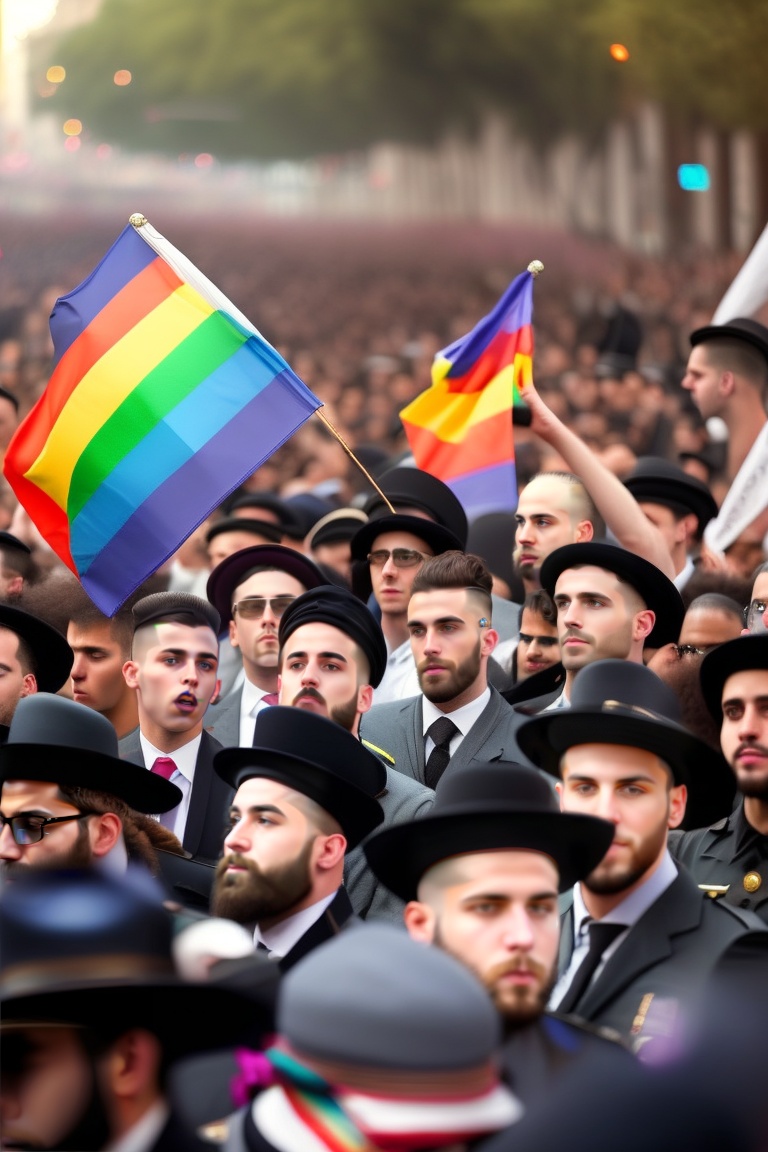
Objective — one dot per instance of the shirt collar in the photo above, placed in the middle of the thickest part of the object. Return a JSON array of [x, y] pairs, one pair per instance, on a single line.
[[250, 698], [184, 758], [745, 835], [280, 938], [463, 717], [633, 906]]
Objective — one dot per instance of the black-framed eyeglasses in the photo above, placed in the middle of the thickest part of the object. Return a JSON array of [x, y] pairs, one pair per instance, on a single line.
[[29, 828], [401, 557], [754, 616], [254, 607], [689, 650]]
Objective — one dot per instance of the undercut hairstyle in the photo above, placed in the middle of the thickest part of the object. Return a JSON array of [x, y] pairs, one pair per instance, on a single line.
[[540, 603], [141, 833], [20, 563], [586, 509], [23, 654], [716, 602], [87, 615], [454, 569], [728, 355], [317, 816]]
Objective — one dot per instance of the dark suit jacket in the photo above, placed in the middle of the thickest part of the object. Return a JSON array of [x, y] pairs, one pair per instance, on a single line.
[[726, 853], [397, 726], [207, 817], [176, 1137], [533, 1057], [338, 915], [663, 964]]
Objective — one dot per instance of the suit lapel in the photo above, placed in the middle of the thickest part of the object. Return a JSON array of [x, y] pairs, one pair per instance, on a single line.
[[481, 731], [566, 932], [328, 925], [415, 735]]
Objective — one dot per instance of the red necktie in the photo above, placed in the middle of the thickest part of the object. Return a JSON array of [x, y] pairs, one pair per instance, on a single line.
[[164, 767], [270, 698]]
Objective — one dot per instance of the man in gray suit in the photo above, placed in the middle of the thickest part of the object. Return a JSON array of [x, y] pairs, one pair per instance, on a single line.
[[332, 656], [459, 716]]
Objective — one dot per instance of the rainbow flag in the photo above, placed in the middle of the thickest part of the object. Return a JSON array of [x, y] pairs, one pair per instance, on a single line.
[[460, 429], [163, 399]]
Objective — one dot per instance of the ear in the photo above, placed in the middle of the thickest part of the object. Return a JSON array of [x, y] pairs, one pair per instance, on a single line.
[[131, 673], [233, 634], [216, 693], [560, 793], [15, 586], [678, 798], [129, 1070], [685, 528], [104, 831], [420, 920], [727, 383], [585, 530], [644, 622], [330, 851], [488, 641], [364, 698], [28, 685]]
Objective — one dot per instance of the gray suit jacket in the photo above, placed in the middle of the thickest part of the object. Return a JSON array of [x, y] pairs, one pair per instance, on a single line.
[[397, 727], [222, 720]]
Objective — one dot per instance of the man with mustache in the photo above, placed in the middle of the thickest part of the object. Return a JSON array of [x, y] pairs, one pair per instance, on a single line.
[[729, 859], [304, 794], [481, 874], [459, 716], [173, 670]]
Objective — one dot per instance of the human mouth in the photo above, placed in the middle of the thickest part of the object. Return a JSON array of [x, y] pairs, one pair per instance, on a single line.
[[751, 754], [186, 702], [308, 698]]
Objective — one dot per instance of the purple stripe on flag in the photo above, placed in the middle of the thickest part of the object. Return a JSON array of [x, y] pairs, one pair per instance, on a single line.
[[490, 490], [183, 501]]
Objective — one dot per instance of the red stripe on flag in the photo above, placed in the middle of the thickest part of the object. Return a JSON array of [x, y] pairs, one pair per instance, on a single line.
[[486, 444], [498, 355]]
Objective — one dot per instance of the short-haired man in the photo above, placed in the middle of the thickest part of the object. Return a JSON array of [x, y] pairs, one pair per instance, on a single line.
[[610, 604], [233, 533], [640, 940], [174, 672], [458, 716], [332, 656], [17, 566], [304, 793], [481, 874], [34, 657], [251, 590], [67, 801], [729, 859], [101, 645]]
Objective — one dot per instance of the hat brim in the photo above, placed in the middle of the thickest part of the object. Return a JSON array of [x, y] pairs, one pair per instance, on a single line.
[[435, 536], [655, 589], [81, 768], [711, 786], [230, 573], [52, 655], [402, 854], [740, 655], [729, 332], [666, 490], [357, 812]]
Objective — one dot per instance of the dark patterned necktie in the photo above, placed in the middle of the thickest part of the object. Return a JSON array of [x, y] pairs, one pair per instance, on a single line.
[[441, 732]]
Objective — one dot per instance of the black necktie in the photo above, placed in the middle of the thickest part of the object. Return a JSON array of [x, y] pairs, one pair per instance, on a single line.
[[600, 937], [441, 732]]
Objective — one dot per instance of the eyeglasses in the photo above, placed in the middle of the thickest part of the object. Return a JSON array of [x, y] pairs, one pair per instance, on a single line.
[[689, 650], [754, 616], [254, 607], [28, 828], [401, 557]]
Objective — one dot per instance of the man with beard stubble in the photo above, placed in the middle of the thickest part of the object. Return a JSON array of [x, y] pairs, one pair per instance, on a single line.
[[459, 716], [304, 793]]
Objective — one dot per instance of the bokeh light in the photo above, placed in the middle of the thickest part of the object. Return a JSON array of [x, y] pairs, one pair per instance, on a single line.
[[72, 143], [55, 74], [203, 160], [619, 52], [72, 127], [104, 151], [122, 77]]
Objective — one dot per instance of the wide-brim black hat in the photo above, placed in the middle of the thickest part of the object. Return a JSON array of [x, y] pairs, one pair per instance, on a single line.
[[338, 526], [435, 536], [620, 702], [741, 328], [658, 481], [407, 487], [654, 588], [739, 655], [487, 808], [264, 528], [59, 742], [314, 756], [52, 656], [231, 572], [341, 609]]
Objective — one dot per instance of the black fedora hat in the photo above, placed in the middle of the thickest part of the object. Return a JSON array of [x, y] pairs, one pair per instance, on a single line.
[[317, 757], [91, 949], [52, 656], [435, 536], [341, 609], [659, 481], [741, 328], [739, 655], [60, 742], [486, 808], [620, 702], [655, 589], [413, 488], [264, 528], [232, 571]]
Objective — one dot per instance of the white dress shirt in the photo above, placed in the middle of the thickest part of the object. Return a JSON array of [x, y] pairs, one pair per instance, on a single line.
[[463, 718], [185, 759], [400, 680], [280, 938], [251, 703]]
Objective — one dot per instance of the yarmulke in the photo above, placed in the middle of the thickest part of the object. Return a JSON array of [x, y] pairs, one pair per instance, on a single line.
[[193, 610], [342, 610]]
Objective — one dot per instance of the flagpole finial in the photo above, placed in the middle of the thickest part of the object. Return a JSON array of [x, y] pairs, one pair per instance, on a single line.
[[535, 267], [138, 220]]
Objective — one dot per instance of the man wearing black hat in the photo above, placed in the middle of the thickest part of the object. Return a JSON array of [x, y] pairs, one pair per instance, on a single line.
[[304, 793], [729, 859], [457, 716], [332, 657], [481, 874], [93, 1015], [227, 536], [16, 566], [610, 604], [640, 940], [250, 590], [679, 505], [34, 657], [174, 671]]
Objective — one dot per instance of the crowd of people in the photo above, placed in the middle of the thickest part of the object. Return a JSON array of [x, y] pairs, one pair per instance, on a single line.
[[365, 824]]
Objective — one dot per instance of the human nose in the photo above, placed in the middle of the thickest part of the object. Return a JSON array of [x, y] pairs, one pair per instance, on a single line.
[[190, 672], [309, 674], [9, 849], [78, 668], [268, 618], [748, 728], [431, 641], [524, 532], [570, 614], [389, 568], [237, 839], [606, 806], [518, 931]]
